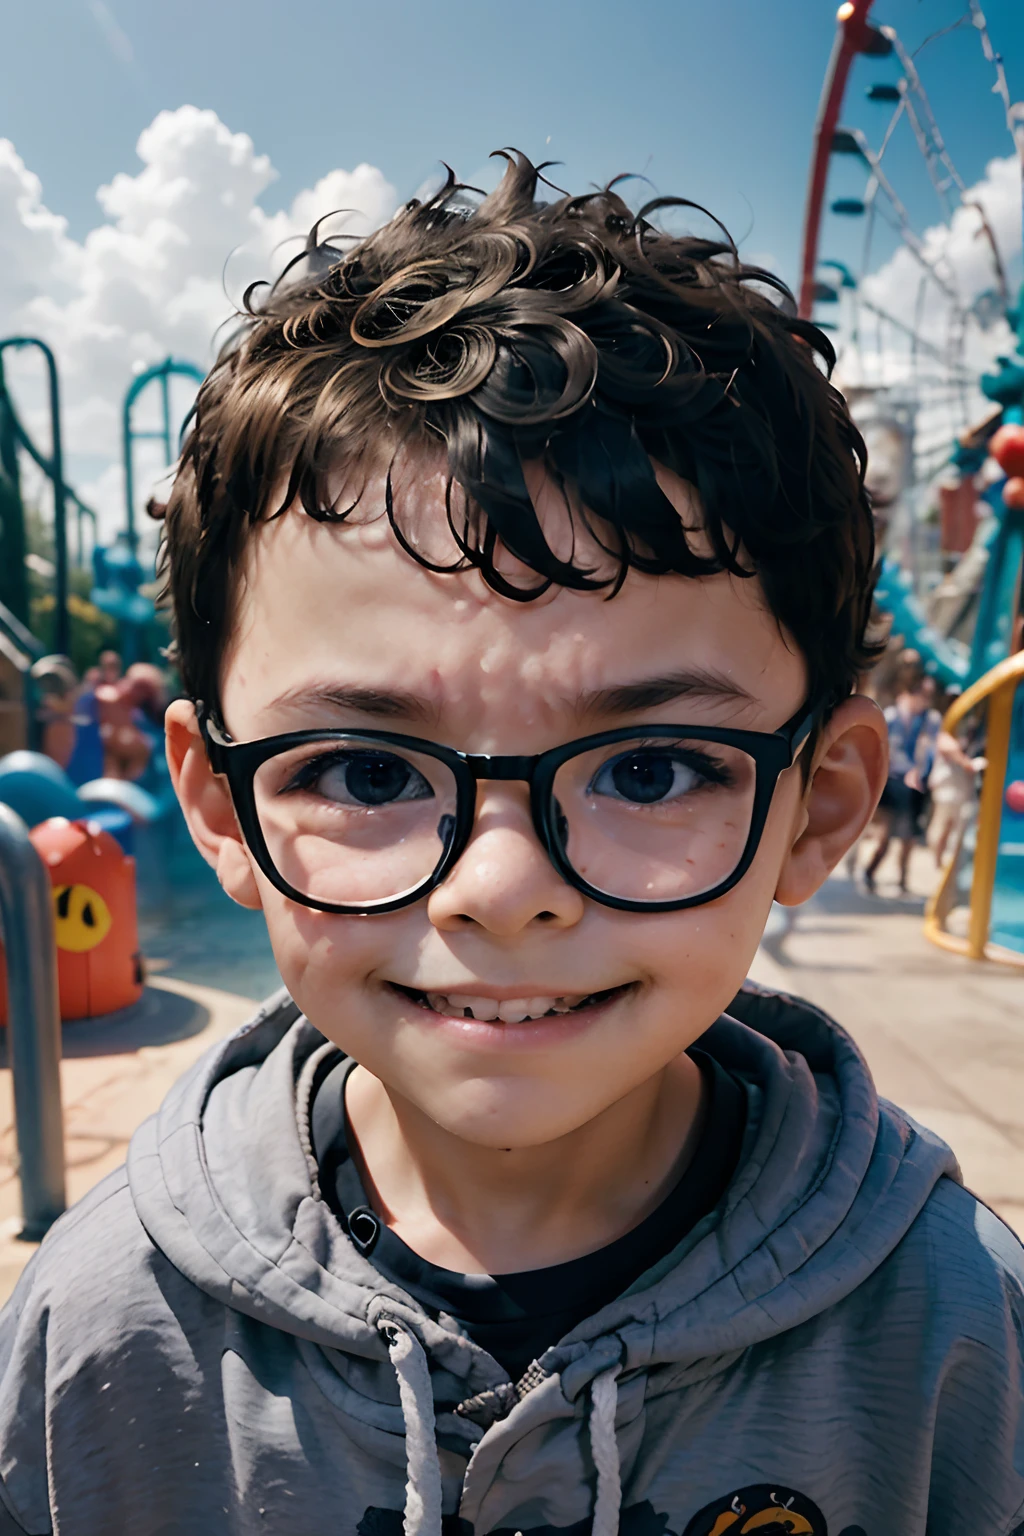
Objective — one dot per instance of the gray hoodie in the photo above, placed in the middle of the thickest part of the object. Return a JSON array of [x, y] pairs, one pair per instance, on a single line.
[[835, 1351]]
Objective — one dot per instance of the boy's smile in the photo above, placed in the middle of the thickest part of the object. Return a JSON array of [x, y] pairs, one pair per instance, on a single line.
[[490, 1020], [505, 1008]]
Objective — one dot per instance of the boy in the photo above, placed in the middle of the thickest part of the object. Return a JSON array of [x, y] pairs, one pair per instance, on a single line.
[[521, 567]]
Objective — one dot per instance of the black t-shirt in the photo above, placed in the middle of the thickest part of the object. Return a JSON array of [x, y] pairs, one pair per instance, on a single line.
[[517, 1317]]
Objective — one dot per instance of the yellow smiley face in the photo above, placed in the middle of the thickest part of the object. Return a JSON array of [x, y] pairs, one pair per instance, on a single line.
[[81, 917]]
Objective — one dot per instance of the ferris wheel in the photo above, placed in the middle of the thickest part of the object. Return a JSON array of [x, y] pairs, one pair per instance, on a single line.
[[927, 373]]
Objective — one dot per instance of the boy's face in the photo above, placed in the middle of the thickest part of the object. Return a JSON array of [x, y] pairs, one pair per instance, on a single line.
[[323, 610]]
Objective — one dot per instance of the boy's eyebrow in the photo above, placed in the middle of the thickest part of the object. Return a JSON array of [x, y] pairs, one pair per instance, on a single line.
[[385, 704], [650, 692], [619, 699]]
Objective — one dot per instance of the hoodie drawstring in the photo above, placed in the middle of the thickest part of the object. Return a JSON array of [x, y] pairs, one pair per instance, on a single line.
[[423, 1497], [604, 1448], [423, 1469]]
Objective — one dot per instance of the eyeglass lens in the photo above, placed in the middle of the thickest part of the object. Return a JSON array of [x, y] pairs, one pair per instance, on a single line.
[[354, 822], [656, 819]]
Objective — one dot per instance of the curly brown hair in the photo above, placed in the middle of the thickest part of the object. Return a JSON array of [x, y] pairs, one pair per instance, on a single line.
[[575, 333]]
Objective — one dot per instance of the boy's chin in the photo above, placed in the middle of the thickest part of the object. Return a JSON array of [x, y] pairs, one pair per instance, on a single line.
[[511, 1116]]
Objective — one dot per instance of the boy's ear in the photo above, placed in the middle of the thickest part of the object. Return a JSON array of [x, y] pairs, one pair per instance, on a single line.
[[206, 802], [851, 761]]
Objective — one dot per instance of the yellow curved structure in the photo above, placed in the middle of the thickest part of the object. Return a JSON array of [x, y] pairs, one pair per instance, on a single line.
[[998, 688]]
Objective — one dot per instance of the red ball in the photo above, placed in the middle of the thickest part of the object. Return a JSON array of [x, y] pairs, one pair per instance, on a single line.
[[1013, 493], [1015, 796], [1007, 448]]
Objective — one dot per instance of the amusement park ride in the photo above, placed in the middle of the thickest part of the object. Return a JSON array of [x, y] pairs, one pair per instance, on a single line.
[[951, 437]]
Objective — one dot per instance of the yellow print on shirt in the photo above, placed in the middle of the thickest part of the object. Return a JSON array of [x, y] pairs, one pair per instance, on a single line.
[[763, 1509]]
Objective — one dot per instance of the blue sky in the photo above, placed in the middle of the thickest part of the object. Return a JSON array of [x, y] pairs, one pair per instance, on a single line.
[[714, 99]]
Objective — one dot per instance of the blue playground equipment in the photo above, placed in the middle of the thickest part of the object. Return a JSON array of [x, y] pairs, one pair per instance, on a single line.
[[38, 788], [895, 593]]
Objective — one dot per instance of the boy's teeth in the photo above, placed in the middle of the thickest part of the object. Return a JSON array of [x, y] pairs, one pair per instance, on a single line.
[[511, 1010], [463, 1006]]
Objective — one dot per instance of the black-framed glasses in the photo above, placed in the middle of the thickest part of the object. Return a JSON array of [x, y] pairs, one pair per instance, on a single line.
[[644, 819]]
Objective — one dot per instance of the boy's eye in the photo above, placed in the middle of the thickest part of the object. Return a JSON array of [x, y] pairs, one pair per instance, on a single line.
[[650, 775], [361, 779]]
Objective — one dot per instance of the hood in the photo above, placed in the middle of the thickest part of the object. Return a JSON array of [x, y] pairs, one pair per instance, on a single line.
[[830, 1179]]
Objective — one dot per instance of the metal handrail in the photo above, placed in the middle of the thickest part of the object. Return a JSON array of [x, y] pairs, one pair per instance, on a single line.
[[33, 1025], [44, 463], [998, 688], [21, 636]]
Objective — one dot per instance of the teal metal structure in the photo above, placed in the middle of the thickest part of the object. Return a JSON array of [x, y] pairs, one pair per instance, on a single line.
[[119, 572], [1002, 595], [14, 596], [160, 373], [54, 468]]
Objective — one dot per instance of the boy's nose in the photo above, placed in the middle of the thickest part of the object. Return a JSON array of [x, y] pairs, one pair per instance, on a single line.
[[504, 880]]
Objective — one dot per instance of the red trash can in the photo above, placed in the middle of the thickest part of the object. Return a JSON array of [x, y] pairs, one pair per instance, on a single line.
[[99, 967]]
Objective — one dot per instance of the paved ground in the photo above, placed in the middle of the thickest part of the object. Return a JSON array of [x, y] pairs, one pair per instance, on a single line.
[[115, 1072], [944, 1037]]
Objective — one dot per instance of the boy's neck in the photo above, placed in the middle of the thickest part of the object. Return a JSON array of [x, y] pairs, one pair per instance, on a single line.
[[484, 1210]]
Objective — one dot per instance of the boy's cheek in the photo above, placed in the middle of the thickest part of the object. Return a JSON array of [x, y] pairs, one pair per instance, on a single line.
[[324, 959], [701, 965]]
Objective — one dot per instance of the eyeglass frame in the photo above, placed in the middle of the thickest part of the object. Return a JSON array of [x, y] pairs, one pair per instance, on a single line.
[[773, 752]]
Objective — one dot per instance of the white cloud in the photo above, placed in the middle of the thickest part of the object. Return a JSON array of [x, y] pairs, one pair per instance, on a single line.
[[32, 239], [180, 240], [960, 247], [961, 253]]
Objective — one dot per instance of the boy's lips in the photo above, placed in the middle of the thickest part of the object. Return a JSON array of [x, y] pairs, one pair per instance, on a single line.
[[500, 1007]]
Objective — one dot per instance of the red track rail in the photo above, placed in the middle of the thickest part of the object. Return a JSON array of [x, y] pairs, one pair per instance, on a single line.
[[851, 36]]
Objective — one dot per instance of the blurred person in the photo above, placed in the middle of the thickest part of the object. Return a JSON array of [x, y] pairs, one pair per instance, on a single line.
[[913, 723], [57, 686], [147, 691], [110, 667], [86, 761], [127, 745], [952, 783], [901, 668]]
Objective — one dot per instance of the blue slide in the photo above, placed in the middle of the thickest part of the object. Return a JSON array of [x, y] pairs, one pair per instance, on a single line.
[[947, 662]]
